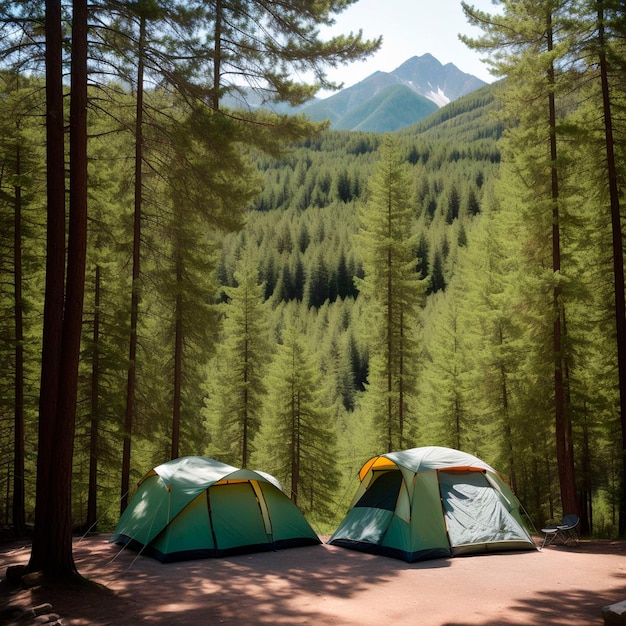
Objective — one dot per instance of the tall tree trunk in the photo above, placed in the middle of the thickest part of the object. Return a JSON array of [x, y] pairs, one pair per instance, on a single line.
[[19, 516], [506, 417], [55, 281], [618, 257], [75, 284], [587, 486], [508, 434], [53, 551], [92, 499], [178, 355], [295, 436], [389, 322], [134, 305], [402, 351], [565, 454], [246, 395]]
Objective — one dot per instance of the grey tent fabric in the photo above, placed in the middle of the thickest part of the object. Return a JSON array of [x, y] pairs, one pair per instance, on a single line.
[[431, 502], [474, 512]]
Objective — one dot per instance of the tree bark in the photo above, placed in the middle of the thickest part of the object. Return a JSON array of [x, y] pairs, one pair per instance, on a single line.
[[246, 395], [618, 257], [295, 437], [92, 499], [564, 451], [53, 551], [178, 355], [134, 305], [55, 280], [390, 312], [61, 490], [19, 516]]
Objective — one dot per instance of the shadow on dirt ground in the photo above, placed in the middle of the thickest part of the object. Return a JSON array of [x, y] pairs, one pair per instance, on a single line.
[[328, 585]]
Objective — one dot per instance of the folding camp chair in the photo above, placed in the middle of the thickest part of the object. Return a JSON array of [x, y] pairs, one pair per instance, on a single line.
[[565, 532]]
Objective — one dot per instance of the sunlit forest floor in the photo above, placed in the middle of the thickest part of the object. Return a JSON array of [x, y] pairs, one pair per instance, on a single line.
[[330, 585]]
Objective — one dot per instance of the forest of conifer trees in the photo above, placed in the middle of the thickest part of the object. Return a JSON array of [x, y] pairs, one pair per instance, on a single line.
[[255, 284]]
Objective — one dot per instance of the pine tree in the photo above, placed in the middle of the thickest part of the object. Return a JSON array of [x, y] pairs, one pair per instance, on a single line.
[[597, 29], [104, 358], [454, 205], [437, 279], [136, 263], [447, 408], [237, 388], [297, 442], [610, 27], [209, 185], [52, 536], [393, 290]]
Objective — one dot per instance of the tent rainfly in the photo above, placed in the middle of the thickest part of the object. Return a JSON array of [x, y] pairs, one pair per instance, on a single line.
[[196, 507], [429, 503]]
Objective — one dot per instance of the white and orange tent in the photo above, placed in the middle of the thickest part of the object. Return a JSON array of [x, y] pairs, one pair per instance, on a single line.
[[431, 502]]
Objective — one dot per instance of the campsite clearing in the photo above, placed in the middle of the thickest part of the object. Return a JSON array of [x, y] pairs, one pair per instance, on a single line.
[[320, 585]]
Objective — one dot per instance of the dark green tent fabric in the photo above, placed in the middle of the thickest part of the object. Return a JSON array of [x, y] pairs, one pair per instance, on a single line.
[[196, 507], [431, 502]]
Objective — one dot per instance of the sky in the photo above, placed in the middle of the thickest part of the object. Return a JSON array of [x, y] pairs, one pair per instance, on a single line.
[[410, 28]]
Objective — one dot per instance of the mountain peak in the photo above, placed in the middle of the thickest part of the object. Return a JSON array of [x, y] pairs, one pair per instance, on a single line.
[[374, 105], [421, 61], [440, 83]]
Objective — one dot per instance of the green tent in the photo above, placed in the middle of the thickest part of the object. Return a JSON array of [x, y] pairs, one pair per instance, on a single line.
[[431, 502], [196, 507]]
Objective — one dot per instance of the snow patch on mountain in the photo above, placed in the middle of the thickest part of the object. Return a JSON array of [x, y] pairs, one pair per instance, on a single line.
[[438, 97], [433, 93]]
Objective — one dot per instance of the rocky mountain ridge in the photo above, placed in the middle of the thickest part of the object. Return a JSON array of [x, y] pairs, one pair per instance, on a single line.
[[388, 101]]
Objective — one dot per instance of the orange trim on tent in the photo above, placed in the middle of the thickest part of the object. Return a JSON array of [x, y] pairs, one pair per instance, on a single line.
[[232, 481], [379, 463]]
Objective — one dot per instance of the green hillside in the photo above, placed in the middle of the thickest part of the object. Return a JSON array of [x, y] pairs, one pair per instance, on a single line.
[[392, 109], [308, 206]]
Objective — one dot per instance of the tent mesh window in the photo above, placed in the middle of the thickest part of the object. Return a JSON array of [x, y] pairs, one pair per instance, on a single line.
[[383, 491]]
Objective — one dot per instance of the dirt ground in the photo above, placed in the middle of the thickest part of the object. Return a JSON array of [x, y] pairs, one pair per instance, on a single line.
[[321, 585]]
